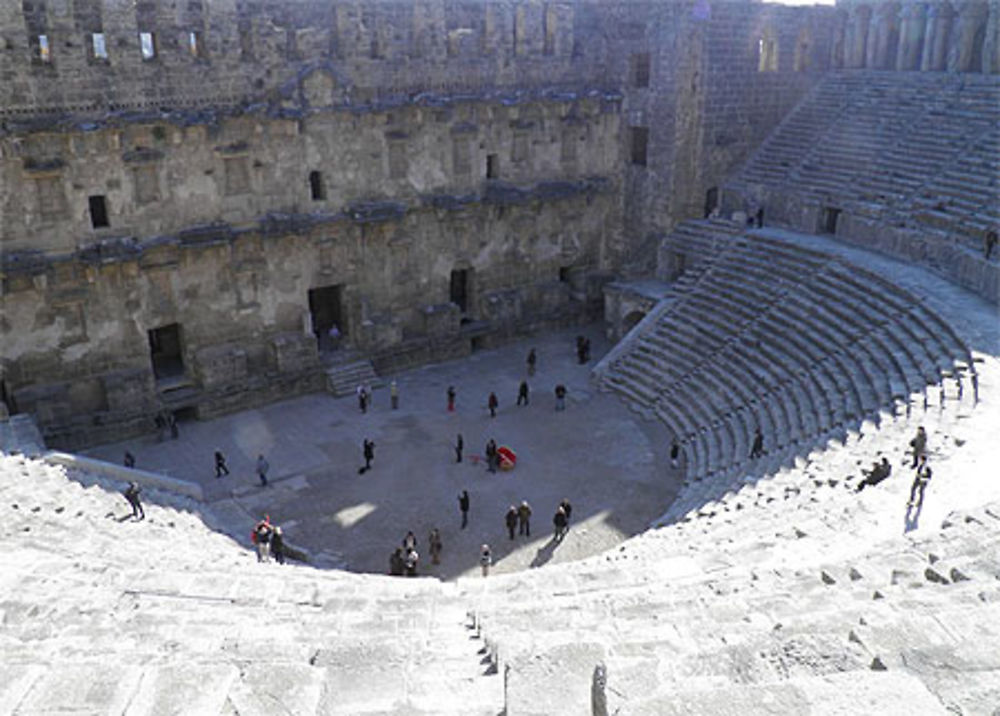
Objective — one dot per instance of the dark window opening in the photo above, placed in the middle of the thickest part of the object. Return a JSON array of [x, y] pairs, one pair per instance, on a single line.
[[459, 288], [639, 143], [316, 188], [711, 201], [564, 273], [98, 212], [640, 70], [492, 166], [326, 310], [165, 351], [828, 220]]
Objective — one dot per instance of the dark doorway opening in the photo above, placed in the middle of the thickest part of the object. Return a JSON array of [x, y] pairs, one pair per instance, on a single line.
[[711, 200], [316, 188], [325, 306], [166, 351], [98, 212], [458, 291], [564, 273], [631, 320], [828, 220], [492, 166]]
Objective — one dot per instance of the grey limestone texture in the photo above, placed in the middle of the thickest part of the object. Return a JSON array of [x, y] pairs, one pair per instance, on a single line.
[[185, 193]]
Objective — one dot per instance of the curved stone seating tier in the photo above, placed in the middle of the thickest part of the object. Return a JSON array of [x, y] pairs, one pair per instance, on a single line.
[[105, 615], [788, 591], [920, 150], [771, 336]]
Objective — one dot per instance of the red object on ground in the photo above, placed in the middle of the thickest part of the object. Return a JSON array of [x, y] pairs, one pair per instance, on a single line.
[[508, 458]]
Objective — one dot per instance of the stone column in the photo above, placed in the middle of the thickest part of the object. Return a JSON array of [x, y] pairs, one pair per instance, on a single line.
[[857, 36], [881, 53], [911, 37], [991, 48], [936, 37], [966, 52]]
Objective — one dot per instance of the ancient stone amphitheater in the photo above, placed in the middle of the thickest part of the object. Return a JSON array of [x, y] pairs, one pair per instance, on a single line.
[[167, 246]]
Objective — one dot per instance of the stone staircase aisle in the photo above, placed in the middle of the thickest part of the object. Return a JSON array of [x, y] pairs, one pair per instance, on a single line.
[[163, 615]]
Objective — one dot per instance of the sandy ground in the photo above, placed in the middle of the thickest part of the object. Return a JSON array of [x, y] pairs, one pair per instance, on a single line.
[[612, 466]]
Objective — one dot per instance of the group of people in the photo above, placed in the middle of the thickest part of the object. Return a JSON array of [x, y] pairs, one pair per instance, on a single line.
[[917, 455], [519, 517], [269, 540], [404, 560]]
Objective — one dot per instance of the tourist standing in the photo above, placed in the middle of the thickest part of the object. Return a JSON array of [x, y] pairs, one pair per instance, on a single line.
[[451, 398], [220, 464], [485, 559], [522, 393], [459, 445], [463, 505], [262, 468], [132, 495], [435, 546], [492, 403], [510, 519], [532, 359], [394, 395], [524, 519]]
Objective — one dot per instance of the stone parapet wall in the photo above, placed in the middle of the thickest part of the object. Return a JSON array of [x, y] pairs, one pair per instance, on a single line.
[[224, 52]]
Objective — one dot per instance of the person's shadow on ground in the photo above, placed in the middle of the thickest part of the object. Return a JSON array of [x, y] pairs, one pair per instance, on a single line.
[[912, 519], [545, 552]]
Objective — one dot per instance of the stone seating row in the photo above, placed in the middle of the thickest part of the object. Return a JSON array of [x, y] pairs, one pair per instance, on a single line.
[[84, 588], [920, 153], [802, 333]]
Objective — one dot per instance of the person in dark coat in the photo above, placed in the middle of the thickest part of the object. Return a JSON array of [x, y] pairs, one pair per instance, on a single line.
[[511, 520], [463, 505], [492, 457], [368, 450], [278, 545], [396, 563], [559, 520], [132, 495], [129, 459], [492, 403], [220, 464], [879, 471], [532, 360], [459, 446], [757, 449], [567, 509], [522, 393], [451, 399]]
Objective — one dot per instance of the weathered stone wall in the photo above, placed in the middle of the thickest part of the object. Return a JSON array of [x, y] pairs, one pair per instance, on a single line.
[[234, 268], [209, 163], [247, 50], [721, 77]]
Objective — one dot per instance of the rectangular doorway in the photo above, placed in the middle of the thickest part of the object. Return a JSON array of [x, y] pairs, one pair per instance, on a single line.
[[828, 220], [458, 292], [325, 307], [165, 350]]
